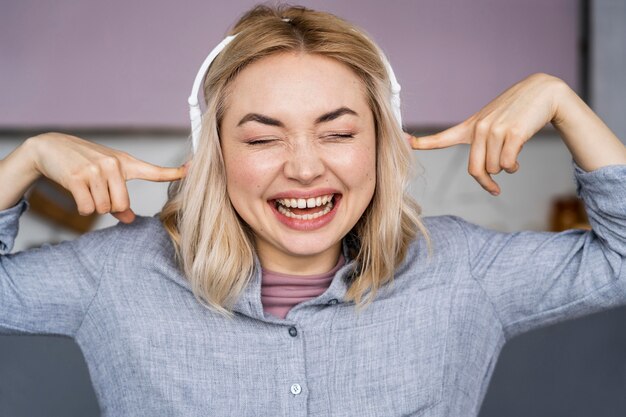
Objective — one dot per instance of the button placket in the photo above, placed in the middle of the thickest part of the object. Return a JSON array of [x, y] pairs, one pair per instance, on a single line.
[[295, 369]]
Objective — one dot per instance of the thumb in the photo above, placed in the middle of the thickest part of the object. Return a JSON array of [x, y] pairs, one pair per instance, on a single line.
[[126, 216], [453, 136]]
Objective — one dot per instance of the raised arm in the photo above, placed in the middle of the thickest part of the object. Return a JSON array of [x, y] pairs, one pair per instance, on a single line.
[[48, 290], [499, 130], [532, 279], [94, 174]]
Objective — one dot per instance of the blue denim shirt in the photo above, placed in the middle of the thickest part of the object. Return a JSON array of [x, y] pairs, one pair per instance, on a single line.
[[426, 346]]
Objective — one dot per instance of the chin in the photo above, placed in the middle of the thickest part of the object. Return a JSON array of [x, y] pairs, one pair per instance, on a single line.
[[304, 246]]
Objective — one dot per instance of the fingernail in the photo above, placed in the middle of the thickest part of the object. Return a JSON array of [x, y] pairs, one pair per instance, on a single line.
[[495, 192]]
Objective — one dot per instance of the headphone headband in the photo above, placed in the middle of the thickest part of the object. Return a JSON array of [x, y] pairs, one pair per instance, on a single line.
[[195, 113]]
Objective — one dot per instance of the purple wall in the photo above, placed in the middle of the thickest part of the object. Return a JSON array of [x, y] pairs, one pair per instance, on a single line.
[[130, 64]]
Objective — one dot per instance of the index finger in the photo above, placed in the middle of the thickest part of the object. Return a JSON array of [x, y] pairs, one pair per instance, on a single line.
[[453, 136], [136, 169]]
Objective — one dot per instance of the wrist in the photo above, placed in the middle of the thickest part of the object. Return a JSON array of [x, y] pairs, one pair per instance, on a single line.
[[24, 159], [17, 174], [590, 141], [564, 99], [30, 152]]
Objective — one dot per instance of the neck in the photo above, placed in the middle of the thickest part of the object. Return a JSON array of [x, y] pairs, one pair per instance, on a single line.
[[293, 264]]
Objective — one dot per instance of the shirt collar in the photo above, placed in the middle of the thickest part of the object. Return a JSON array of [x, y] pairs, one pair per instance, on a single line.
[[249, 302]]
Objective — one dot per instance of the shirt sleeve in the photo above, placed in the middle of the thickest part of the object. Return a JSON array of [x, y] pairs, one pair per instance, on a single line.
[[48, 290], [9, 225], [534, 279]]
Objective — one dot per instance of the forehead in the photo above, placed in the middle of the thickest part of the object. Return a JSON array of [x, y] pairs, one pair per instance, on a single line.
[[288, 82]]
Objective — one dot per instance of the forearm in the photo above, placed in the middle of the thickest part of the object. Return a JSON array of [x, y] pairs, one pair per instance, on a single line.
[[592, 144], [17, 174]]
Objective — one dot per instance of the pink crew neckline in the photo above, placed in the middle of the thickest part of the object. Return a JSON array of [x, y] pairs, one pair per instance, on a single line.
[[280, 292]]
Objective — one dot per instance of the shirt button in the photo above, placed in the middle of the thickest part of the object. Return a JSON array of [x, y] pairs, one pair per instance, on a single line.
[[293, 332], [333, 301], [296, 389]]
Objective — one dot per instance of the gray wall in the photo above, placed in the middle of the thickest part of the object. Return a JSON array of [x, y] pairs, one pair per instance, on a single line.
[[608, 63]]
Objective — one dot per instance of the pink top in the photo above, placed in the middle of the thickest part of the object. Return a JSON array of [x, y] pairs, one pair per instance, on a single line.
[[280, 292]]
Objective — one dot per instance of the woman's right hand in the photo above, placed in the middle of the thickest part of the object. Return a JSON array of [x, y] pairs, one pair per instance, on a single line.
[[94, 174]]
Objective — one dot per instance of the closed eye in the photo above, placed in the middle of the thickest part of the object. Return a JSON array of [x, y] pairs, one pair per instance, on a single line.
[[259, 141], [341, 135]]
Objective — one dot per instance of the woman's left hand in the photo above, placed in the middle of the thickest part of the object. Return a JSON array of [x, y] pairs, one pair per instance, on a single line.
[[499, 130]]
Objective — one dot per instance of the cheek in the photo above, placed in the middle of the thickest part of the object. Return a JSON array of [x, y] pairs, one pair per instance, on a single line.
[[247, 176], [241, 176], [358, 167]]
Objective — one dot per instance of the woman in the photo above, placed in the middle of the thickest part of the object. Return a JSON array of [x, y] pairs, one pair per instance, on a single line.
[[297, 182]]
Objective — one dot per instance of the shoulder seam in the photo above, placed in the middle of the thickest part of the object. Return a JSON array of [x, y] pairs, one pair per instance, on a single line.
[[475, 279], [101, 278]]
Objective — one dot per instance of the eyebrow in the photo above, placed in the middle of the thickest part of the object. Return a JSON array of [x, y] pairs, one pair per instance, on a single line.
[[266, 120]]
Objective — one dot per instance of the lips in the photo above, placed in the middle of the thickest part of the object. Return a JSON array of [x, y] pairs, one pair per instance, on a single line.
[[305, 209], [302, 203], [305, 213]]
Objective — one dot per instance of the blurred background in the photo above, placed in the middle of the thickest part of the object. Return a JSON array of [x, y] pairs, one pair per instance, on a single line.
[[119, 73]]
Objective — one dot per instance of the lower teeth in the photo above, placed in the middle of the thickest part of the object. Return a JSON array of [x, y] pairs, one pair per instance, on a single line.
[[284, 210]]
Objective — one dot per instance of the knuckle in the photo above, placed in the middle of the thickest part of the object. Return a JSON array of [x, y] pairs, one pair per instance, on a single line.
[[510, 164], [120, 206], [507, 163], [110, 163], [103, 206], [93, 170], [508, 156], [474, 171], [497, 131], [493, 168], [482, 127], [85, 210]]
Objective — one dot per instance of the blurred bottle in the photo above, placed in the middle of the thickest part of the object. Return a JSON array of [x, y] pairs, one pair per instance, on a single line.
[[568, 212]]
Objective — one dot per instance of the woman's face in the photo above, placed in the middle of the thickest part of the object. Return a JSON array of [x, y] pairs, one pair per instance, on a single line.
[[298, 142]]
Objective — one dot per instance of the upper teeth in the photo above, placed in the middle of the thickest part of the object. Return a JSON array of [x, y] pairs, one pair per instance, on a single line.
[[305, 202]]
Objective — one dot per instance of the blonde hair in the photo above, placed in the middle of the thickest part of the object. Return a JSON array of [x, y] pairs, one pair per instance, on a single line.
[[214, 246]]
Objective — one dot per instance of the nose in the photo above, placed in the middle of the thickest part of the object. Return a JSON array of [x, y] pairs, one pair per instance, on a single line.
[[304, 163]]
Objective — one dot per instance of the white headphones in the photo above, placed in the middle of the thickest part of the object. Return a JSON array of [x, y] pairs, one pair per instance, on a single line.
[[194, 106]]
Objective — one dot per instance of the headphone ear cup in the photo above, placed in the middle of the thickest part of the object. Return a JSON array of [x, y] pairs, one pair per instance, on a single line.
[[196, 125]]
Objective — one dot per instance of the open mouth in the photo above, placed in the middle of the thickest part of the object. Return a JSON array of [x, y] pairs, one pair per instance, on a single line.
[[306, 208]]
